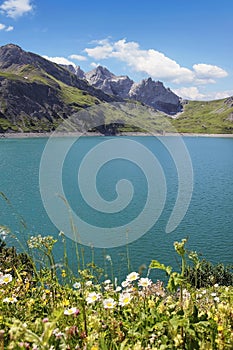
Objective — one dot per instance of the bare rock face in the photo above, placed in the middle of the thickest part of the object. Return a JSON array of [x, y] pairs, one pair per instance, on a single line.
[[75, 70], [149, 92], [103, 79], [154, 94]]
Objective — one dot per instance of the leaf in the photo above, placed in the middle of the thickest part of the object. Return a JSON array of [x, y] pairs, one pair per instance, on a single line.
[[175, 280], [155, 264]]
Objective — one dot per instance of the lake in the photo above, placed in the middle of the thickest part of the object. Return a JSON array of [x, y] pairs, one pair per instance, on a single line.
[[137, 181]]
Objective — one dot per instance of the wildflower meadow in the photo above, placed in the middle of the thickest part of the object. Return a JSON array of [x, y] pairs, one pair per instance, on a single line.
[[52, 308]]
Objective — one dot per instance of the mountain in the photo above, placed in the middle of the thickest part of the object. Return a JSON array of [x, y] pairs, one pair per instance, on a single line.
[[103, 79], [154, 94], [75, 70], [36, 94], [149, 92]]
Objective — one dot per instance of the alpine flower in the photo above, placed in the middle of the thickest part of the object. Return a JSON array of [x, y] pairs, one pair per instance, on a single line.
[[124, 299], [71, 311], [144, 282], [4, 279], [10, 300], [92, 297], [133, 276], [109, 303]]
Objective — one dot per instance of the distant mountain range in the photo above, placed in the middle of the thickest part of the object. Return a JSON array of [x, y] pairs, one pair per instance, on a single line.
[[37, 95], [149, 92]]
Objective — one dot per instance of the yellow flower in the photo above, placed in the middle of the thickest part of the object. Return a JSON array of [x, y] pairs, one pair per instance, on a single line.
[[63, 273], [94, 347], [161, 308], [66, 302], [220, 328], [151, 304]]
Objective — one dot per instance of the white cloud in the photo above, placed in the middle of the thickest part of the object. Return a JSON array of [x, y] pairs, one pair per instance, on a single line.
[[9, 29], [189, 93], [207, 71], [220, 94], [155, 63], [16, 8], [193, 93], [78, 57], [103, 50], [59, 60], [94, 64], [204, 81], [5, 28]]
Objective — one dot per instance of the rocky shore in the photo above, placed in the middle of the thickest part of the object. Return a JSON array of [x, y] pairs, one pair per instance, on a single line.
[[78, 134]]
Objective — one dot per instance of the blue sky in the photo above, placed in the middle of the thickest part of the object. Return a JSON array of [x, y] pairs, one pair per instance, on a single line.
[[187, 44]]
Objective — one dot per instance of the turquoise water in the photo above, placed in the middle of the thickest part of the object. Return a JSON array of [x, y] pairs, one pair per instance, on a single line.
[[208, 222]]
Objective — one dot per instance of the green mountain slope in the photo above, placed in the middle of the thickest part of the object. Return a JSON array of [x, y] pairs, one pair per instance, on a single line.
[[212, 117], [36, 94]]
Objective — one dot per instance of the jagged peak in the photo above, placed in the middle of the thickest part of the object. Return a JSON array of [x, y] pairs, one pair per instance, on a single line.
[[11, 46], [101, 72], [150, 81]]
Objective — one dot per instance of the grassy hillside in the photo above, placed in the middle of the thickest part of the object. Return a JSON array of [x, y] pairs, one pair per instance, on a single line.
[[47, 100], [211, 117], [203, 117]]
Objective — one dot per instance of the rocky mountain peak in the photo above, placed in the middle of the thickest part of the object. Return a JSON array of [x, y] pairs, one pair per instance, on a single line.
[[75, 70], [150, 92], [99, 74], [103, 79], [11, 54], [154, 94]]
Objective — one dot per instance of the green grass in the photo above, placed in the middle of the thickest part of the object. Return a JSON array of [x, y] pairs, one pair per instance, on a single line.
[[205, 117], [49, 308], [71, 95]]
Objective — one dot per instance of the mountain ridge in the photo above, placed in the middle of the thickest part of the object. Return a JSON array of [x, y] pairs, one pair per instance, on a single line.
[[37, 95], [149, 92]]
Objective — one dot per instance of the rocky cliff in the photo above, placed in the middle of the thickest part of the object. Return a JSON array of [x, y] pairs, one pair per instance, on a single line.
[[111, 84], [154, 94], [148, 92]]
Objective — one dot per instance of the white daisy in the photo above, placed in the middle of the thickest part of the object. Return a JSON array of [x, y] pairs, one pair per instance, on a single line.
[[124, 299], [10, 300], [144, 282], [107, 281], [125, 284], [71, 311], [133, 276], [77, 285], [4, 279], [88, 283], [109, 303], [92, 297]]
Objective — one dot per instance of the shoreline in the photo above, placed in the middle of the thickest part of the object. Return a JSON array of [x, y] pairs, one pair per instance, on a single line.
[[90, 134]]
